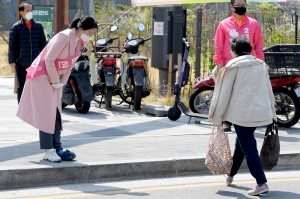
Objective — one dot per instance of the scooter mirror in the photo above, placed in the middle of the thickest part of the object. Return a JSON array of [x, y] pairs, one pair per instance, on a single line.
[[129, 36], [141, 27], [113, 28]]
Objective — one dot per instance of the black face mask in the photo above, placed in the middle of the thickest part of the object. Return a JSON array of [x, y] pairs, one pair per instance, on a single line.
[[240, 10]]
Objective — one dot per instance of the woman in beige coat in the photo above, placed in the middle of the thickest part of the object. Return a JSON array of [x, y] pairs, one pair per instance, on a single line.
[[243, 96], [40, 104]]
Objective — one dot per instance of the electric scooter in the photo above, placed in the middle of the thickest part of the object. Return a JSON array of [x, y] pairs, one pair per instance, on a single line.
[[174, 112]]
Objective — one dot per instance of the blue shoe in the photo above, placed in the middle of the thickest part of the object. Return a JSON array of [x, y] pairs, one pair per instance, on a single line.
[[66, 155]]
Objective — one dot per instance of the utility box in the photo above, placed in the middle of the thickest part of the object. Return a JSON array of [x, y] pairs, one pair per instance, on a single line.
[[169, 27]]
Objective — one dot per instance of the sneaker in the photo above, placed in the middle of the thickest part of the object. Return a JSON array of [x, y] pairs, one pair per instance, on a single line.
[[51, 156], [259, 190], [66, 155], [228, 179]]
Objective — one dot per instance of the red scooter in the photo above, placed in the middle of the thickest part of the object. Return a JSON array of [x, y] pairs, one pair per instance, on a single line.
[[284, 63]]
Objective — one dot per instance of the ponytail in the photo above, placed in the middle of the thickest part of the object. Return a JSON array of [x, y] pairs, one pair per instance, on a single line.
[[74, 23]]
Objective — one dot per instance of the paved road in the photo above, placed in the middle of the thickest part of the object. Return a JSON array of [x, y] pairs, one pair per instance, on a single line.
[[282, 185], [109, 136]]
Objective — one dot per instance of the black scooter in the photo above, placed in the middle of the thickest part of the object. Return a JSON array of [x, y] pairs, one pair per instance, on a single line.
[[78, 90], [106, 69], [136, 85]]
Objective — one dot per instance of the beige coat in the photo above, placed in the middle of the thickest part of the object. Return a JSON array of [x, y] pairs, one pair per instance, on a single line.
[[39, 99], [243, 94]]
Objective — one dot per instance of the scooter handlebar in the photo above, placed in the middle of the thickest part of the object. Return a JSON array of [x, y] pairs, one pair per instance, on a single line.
[[186, 43], [148, 39], [115, 38]]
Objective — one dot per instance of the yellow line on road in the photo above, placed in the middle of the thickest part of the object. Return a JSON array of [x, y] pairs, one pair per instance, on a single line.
[[122, 191]]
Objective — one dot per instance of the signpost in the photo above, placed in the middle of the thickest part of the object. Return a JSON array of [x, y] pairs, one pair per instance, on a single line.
[[45, 15]]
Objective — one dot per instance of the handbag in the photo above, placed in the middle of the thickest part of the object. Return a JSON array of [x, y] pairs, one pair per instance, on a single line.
[[269, 153], [218, 158]]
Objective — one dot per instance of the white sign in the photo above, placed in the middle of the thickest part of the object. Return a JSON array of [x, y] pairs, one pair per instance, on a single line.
[[158, 28], [40, 12]]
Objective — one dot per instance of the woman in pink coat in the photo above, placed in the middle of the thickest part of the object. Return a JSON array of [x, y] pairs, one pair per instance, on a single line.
[[40, 104]]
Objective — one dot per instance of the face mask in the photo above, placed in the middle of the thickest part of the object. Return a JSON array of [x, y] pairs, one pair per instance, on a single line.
[[86, 38], [240, 10], [28, 16]]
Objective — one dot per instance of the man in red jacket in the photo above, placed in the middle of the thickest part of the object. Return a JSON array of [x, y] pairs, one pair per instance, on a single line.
[[236, 25]]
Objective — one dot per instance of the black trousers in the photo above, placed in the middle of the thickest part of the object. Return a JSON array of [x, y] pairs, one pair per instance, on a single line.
[[228, 123], [246, 147], [50, 141], [21, 76]]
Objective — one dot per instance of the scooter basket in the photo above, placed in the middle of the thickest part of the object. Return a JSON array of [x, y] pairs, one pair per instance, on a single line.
[[283, 60]]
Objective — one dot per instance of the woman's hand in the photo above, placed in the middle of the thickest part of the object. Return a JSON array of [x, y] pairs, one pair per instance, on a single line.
[[219, 66], [57, 85]]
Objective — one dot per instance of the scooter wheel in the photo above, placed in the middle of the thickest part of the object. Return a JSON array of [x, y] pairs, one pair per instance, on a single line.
[[174, 113]]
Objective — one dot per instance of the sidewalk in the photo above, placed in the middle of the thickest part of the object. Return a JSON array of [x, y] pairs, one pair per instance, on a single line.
[[113, 144]]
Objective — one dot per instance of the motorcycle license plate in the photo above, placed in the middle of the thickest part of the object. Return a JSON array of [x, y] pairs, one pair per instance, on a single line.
[[297, 91]]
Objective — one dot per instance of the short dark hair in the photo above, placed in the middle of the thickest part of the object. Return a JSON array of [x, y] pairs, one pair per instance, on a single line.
[[85, 23], [240, 44], [22, 5], [233, 1]]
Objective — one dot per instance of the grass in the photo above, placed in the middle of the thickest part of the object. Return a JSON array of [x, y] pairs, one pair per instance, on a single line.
[[5, 69], [156, 98]]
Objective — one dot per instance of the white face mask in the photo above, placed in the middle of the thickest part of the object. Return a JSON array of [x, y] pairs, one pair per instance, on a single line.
[[28, 16], [86, 38]]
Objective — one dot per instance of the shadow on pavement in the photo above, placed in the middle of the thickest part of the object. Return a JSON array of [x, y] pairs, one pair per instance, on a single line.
[[89, 132], [271, 194], [231, 194], [98, 190]]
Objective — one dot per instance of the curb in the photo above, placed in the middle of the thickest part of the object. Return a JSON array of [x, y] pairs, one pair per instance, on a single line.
[[112, 171]]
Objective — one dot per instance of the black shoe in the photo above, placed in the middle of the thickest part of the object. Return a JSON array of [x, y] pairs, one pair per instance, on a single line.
[[66, 155]]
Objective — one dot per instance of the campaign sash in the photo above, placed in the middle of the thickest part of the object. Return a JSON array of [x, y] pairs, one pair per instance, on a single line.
[[38, 66]]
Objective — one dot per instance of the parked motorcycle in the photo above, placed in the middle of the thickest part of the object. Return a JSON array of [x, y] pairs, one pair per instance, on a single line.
[[78, 90], [284, 77], [136, 84], [107, 69]]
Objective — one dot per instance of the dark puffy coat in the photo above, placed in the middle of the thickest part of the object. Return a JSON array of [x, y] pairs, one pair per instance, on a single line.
[[24, 44]]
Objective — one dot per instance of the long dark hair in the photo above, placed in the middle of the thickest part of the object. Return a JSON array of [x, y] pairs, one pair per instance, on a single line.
[[85, 23]]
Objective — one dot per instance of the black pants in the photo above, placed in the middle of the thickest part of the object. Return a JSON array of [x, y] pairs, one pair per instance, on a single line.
[[50, 141], [228, 123], [245, 147], [21, 76]]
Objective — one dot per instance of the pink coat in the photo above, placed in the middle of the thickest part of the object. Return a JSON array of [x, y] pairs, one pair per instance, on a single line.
[[39, 99], [227, 29]]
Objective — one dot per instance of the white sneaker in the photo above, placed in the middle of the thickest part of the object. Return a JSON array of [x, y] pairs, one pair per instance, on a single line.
[[259, 190], [51, 156]]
